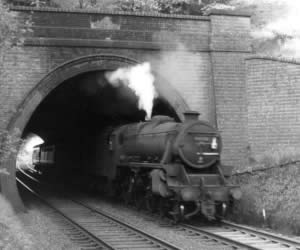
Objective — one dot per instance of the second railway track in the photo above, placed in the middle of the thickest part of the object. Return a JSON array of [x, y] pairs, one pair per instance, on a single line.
[[245, 237]]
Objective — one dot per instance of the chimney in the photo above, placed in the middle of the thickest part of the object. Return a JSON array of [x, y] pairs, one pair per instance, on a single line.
[[191, 116]]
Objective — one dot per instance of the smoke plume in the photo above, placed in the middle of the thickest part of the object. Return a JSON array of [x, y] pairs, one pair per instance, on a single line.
[[140, 80], [183, 69]]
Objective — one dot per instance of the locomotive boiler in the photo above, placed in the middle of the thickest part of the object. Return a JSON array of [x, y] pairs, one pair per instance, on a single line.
[[172, 165]]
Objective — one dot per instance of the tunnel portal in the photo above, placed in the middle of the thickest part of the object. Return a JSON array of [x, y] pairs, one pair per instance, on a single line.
[[73, 102], [78, 115]]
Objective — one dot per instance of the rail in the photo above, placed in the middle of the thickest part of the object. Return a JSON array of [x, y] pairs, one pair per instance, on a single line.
[[97, 229], [245, 237]]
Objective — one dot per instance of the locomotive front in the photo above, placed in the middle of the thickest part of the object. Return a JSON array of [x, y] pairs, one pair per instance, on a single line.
[[197, 144], [177, 162]]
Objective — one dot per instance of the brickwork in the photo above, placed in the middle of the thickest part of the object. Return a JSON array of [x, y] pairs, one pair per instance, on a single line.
[[230, 105], [200, 57], [110, 30], [230, 42], [61, 36], [228, 32], [273, 103], [45, 59], [208, 58]]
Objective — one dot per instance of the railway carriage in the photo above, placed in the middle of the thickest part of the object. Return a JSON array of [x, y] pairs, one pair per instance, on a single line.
[[43, 156]]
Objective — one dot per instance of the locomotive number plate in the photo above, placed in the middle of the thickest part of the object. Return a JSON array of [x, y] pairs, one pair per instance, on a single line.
[[201, 140]]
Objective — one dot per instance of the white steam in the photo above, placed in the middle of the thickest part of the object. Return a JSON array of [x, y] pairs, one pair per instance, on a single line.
[[183, 70], [140, 80]]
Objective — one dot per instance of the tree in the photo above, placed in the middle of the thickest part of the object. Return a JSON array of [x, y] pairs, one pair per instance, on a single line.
[[33, 3], [275, 28], [191, 7], [185, 7], [8, 28]]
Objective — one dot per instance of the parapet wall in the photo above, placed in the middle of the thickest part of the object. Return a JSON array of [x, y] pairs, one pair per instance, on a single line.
[[273, 103]]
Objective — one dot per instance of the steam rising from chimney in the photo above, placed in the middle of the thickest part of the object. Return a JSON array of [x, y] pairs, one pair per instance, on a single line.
[[140, 80]]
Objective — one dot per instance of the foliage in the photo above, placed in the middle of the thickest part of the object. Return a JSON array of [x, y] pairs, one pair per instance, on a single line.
[[279, 155], [9, 144], [9, 30], [156, 6], [33, 3], [11, 33], [274, 157], [276, 190], [138, 5], [161, 6]]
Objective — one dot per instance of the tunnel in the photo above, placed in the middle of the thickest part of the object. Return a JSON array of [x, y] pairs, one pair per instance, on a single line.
[[73, 105], [77, 118]]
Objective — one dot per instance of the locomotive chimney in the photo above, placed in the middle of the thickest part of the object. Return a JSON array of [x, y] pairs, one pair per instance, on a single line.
[[191, 115]]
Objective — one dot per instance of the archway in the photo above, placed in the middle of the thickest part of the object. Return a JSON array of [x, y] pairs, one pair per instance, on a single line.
[[53, 80]]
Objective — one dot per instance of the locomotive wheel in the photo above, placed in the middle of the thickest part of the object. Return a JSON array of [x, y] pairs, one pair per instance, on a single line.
[[139, 192], [126, 197], [163, 207], [138, 199], [176, 213], [151, 202], [220, 213], [125, 191]]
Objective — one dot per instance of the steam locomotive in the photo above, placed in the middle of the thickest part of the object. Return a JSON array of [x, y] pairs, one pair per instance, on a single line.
[[172, 167]]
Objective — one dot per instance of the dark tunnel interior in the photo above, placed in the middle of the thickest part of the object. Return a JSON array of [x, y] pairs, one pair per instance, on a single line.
[[80, 109]]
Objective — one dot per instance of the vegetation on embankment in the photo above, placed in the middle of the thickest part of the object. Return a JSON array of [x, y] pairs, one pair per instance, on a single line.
[[271, 191], [31, 230]]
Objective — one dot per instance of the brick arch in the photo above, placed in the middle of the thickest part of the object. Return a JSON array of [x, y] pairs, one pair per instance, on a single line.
[[55, 78]]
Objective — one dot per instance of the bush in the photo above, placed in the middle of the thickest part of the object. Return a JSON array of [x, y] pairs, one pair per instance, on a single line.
[[9, 144], [272, 184]]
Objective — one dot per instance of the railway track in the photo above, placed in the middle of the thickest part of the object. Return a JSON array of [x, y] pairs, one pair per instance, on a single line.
[[228, 234], [244, 237], [278, 242], [94, 229]]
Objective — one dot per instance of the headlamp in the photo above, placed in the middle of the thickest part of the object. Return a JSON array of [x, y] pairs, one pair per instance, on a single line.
[[214, 143]]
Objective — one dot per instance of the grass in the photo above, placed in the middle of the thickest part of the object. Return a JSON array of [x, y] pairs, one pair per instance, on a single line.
[[31, 230], [272, 184], [12, 235]]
